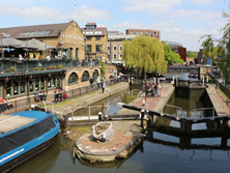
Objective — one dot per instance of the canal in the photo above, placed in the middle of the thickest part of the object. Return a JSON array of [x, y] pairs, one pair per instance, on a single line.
[[159, 152]]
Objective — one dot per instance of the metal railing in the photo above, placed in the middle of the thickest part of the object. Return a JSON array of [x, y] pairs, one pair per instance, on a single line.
[[31, 65], [25, 102]]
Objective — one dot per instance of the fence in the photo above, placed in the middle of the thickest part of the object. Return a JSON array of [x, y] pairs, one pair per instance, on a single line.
[[26, 102]]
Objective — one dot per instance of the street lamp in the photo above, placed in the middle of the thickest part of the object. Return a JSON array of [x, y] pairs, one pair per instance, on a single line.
[[2, 35]]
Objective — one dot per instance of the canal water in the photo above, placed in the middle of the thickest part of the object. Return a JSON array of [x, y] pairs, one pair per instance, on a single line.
[[158, 152]]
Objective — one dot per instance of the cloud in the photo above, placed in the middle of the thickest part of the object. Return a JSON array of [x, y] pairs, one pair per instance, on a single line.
[[84, 13], [32, 12], [201, 2], [151, 6]]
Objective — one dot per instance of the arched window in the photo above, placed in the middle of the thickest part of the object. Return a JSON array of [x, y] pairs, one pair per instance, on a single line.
[[85, 76], [95, 75], [73, 78]]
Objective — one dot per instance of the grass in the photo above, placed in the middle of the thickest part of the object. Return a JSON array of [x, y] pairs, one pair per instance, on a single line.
[[226, 97]]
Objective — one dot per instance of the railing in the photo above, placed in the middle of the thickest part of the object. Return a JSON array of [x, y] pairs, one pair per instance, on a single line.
[[21, 104], [30, 64]]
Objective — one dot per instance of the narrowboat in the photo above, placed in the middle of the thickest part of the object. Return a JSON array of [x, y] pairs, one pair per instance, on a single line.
[[25, 134]]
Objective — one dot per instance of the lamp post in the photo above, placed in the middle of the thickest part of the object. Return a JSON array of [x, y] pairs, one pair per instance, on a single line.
[[2, 35]]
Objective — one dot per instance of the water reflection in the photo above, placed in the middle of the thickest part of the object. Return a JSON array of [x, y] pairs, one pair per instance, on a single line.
[[182, 76]]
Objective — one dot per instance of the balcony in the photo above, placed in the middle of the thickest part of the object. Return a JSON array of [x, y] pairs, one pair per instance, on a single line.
[[29, 66]]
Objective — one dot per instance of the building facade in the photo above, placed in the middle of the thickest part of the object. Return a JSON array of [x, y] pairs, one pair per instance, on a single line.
[[66, 37], [96, 41], [115, 47], [178, 48], [147, 32]]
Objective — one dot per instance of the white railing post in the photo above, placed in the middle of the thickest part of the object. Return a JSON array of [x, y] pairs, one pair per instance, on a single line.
[[89, 112]]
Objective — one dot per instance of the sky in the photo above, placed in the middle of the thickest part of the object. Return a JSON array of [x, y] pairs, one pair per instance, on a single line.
[[182, 21]]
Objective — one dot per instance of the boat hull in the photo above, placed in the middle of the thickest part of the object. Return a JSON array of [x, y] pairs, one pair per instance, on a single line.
[[27, 155]]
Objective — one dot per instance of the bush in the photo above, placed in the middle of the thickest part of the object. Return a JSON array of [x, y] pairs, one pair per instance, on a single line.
[[60, 66], [39, 68], [12, 69], [51, 67]]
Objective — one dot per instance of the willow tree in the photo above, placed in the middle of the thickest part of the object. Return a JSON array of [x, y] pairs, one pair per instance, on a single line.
[[144, 54], [208, 42]]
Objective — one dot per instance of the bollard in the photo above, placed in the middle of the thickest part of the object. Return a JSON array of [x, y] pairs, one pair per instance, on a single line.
[[99, 116], [142, 118]]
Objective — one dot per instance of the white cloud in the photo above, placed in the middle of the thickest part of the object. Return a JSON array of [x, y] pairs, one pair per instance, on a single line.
[[201, 2], [32, 12], [151, 6]]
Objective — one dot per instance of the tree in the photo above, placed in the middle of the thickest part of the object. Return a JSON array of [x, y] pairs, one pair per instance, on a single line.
[[102, 68], [223, 42], [170, 56], [144, 54]]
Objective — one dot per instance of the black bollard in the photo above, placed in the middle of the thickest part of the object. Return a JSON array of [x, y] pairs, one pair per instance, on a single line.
[[142, 118], [99, 116]]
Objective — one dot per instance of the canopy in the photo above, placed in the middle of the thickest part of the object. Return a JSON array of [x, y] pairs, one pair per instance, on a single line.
[[13, 42], [40, 45]]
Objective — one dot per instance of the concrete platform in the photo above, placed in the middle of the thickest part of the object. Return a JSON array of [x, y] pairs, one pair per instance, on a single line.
[[127, 136]]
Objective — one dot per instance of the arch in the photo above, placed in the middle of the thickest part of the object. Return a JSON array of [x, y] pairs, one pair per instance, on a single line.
[[85, 76], [73, 78], [191, 63], [95, 74]]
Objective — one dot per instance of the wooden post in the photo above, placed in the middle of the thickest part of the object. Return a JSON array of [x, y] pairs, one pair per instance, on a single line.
[[185, 126]]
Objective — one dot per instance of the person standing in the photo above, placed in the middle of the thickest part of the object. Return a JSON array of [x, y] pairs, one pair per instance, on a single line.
[[91, 82], [98, 82], [56, 95], [156, 89], [103, 87]]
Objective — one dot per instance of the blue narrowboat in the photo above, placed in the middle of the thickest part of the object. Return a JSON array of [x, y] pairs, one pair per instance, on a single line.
[[25, 134]]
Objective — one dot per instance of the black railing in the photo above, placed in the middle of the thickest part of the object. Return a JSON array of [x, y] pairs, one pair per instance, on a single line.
[[30, 64]]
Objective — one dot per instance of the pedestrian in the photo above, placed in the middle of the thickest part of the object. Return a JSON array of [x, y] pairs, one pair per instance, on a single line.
[[157, 89], [56, 95], [147, 87], [103, 87], [101, 83], [91, 82], [98, 82]]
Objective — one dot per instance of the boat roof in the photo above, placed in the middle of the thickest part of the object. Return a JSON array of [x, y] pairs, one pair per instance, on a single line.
[[14, 121]]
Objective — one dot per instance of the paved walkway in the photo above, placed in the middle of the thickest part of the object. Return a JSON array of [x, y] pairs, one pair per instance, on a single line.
[[218, 101]]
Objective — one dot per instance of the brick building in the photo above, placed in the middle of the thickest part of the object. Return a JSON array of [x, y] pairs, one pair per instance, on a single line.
[[147, 32], [96, 41]]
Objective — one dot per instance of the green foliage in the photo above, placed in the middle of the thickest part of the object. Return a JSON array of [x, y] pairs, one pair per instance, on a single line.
[[42, 104], [191, 54], [102, 68], [144, 53], [170, 56], [39, 68], [223, 42], [60, 66], [12, 69], [51, 67]]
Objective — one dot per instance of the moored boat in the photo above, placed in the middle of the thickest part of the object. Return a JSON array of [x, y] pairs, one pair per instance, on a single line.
[[25, 134]]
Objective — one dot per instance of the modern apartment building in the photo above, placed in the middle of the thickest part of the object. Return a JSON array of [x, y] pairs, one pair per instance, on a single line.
[[147, 32], [96, 41]]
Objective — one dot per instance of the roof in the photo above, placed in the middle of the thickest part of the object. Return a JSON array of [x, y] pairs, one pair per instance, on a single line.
[[53, 28], [92, 31], [91, 23], [14, 121], [10, 122], [114, 37]]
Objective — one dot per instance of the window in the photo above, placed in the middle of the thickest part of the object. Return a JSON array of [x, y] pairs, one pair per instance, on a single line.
[[88, 38], [85, 76], [73, 78], [114, 56], [108, 48], [137, 32], [98, 48], [147, 33], [151, 32], [88, 48], [142, 32], [114, 48], [98, 38], [131, 32], [77, 50], [121, 48], [121, 55]]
